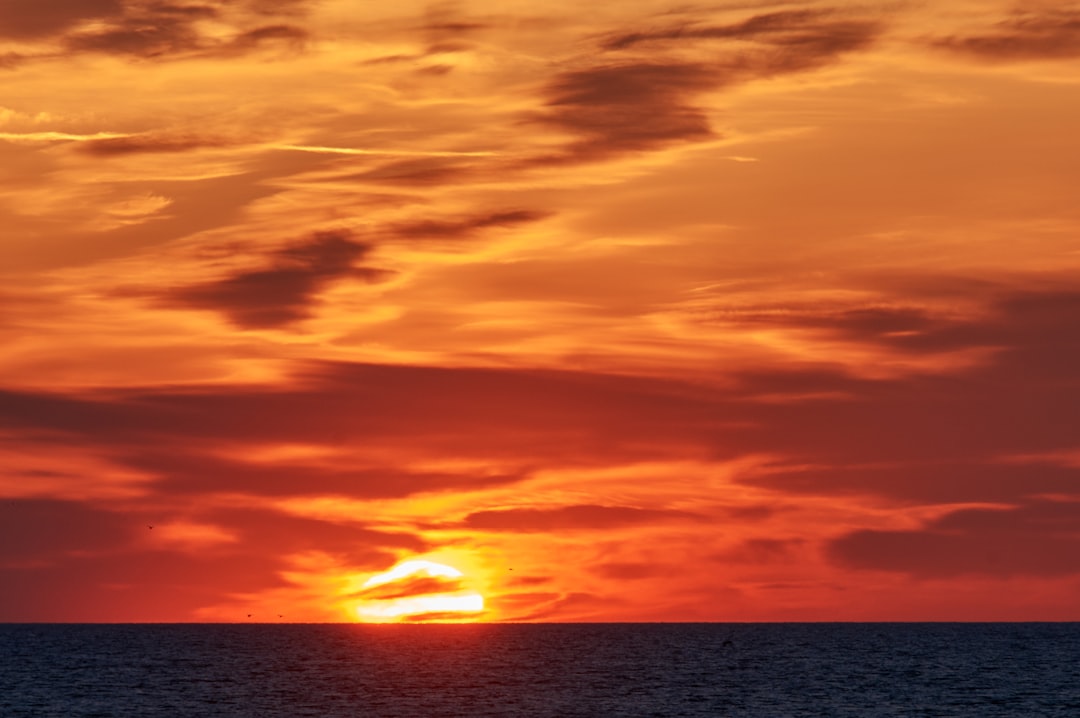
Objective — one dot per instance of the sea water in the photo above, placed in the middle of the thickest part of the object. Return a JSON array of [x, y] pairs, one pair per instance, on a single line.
[[1022, 670]]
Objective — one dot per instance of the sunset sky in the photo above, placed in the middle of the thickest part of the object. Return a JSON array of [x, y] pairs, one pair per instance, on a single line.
[[629, 311]]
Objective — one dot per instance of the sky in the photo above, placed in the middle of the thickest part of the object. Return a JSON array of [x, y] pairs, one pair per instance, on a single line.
[[326, 311]]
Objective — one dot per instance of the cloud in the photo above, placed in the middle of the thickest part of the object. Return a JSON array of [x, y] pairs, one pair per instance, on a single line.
[[763, 551], [151, 586], [169, 35], [573, 518], [435, 617], [631, 571], [44, 530], [518, 415], [465, 226], [31, 19], [1038, 538], [149, 143], [628, 106], [192, 557], [12, 60], [282, 293], [280, 7], [50, 136], [287, 35], [150, 29], [277, 534], [1045, 34], [928, 482], [382, 151], [812, 34], [412, 172], [622, 104], [192, 473], [411, 586], [919, 438]]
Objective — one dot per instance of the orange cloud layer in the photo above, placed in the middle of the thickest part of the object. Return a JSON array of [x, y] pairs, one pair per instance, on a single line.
[[654, 313]]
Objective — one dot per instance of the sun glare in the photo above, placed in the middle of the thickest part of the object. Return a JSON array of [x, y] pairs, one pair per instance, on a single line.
[[418, 590]]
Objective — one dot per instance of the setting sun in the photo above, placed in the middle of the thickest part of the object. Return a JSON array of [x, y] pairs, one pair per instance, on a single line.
[[418, 590]]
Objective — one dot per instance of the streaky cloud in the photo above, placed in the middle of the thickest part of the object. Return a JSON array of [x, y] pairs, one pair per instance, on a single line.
[[383, 152], [281, 293], [1030, 34], [56, 136], [577, 517], [1033, 538]]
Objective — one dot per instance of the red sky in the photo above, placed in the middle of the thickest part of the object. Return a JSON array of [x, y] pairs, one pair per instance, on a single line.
[[658, 311]]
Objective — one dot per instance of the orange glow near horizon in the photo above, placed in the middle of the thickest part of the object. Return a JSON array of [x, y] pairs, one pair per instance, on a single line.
[[652, 312], [421, 590]]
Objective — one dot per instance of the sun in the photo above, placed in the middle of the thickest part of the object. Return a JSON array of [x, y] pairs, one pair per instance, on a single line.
[[418, 590]]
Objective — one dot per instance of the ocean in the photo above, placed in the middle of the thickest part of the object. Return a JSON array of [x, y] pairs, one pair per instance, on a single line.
[[1019, 670]]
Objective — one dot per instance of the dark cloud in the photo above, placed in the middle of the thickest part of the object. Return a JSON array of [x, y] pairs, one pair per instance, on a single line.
[[193, 473], [420, 172], [410, 586], [12, 60], [280, 7], [1039, 538], [877, 323], [917, 438], [465, 226], [43, 530], [170, 35], [47, 547], [622, 105], [436, 616], [1046, 34], [143, 31], [448, 22], [521, 416], [629, 106], [445, 29], [31, 19], [283, 292], [277, 534], [547, 606], [815, 31], [151, 586], [202, 11], [570, 518], [631, 571], [149, 29], [150, 143], [285, 36], [916, 482], [127, 571], [762, 551]]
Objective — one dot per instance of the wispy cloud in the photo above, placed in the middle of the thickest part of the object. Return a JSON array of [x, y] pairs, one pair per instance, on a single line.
[[384, 152], [55, 136], [1036, 33], [1033, 538], [573, 518], [281, 293], [628, 102]]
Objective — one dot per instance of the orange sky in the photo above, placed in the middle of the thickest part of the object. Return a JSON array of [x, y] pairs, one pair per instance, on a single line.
[[658, 311]]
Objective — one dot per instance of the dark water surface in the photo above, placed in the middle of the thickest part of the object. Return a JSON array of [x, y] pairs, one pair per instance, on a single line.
[[563, 670]]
